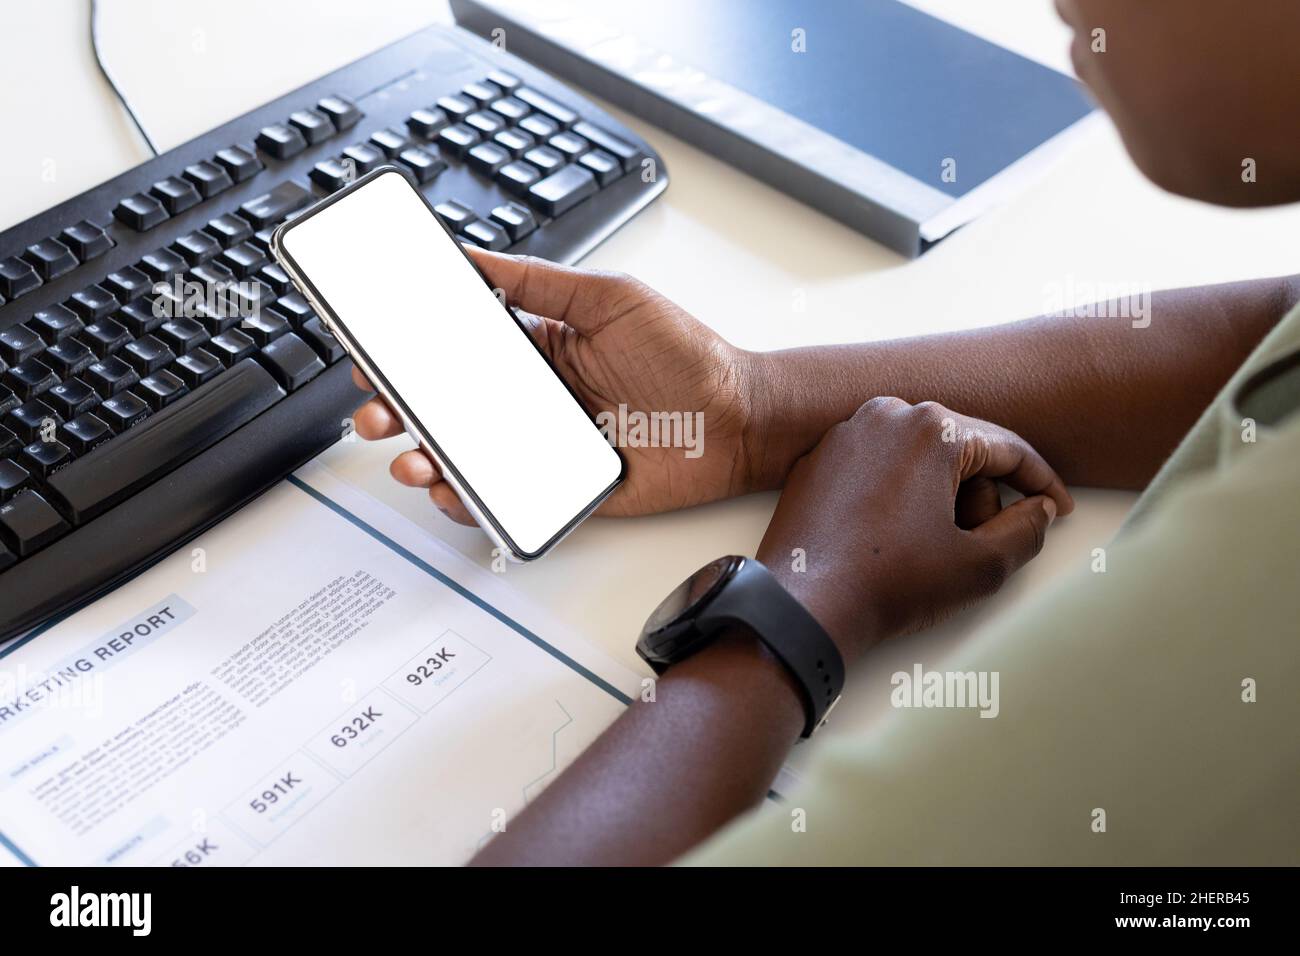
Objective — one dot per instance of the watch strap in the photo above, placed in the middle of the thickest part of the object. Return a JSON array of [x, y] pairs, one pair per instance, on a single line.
[[754, 598]]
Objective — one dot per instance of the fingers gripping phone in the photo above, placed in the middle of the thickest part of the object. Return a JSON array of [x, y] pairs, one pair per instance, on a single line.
[[454, 363]]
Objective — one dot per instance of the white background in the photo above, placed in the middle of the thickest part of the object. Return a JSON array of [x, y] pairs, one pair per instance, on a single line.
[[187, 66]]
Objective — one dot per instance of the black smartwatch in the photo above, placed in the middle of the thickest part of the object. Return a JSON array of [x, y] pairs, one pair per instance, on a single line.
[[735, 590]]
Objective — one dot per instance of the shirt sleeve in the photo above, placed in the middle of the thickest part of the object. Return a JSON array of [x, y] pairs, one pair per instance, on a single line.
[[1147, 714]]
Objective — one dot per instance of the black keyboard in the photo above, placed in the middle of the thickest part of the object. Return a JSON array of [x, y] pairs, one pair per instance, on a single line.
[[134, 414]]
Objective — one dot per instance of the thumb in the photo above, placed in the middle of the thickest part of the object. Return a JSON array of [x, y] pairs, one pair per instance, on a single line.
[[582, 299], [1018, 531]]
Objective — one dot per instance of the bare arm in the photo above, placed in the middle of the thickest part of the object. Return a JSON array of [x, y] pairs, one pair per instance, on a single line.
[[1103, 401], [669, 773]]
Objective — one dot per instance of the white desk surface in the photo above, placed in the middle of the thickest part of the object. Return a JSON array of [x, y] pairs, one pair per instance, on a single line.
[[187, 66]]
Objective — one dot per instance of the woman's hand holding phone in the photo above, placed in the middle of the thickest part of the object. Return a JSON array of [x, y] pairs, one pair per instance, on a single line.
[[616, 342]]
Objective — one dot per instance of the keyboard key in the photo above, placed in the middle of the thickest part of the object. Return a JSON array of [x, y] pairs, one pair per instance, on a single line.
[[331, 174], [50, 258], [510, 108], [487, 158], [626, 153], [487, 124], [29, 379], [34, 420], [314, 126], [262, 239], [343, 113], [323, 343], [291, 361], [603, 166], [544, 104], [515, 218], [148, 354], [197, 367], [231, 347], [44, 458], [240, 162], [518, 176], [196, 248], [170, 299], [425, 123], [276, 278], [93, 302], [228, 230], [269, 209], [424, 165], [294, 308], [70, 398], [542, 127], [364, 157], [86, 240], [281, 141], [249, 297], [515, 141], [457, 138], [8, 402], [217, 278], [571, 145], [161, 389], [558, 193], [265, 328], [28, 523], [109, 376], [56, 323], [208, 178], [482, 92], [507, 81], [13, 479], [182, 335], [17, 277], [486, 234], [456, 107], [127, 283], [68, 357], [455, 214], [85, 433], [19, 343], [140, 212], [243, 260], [141, 318], [390, 141], [105, 336], [154, 447], [545, 158], [123, 411], [176, 194], [162, 265]]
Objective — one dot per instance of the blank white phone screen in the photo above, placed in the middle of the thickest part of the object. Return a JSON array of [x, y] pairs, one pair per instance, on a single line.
[[468, 374]]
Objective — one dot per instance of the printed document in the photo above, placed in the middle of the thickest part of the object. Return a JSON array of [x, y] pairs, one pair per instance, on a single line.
[[314, 681]]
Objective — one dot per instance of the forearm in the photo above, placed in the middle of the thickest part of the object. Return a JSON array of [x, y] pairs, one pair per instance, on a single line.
[[669, 772], [1104, 402]]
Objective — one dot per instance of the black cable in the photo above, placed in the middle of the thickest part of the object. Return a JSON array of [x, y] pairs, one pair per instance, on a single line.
[[94, 48]]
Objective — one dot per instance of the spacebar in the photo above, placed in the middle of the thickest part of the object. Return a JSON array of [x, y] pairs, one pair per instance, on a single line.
[[141, 455]]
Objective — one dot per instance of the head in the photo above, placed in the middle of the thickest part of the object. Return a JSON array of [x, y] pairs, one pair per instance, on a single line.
[[1205, 93]]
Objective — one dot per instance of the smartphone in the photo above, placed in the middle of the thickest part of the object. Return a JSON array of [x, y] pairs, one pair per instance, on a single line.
[[453, 361]]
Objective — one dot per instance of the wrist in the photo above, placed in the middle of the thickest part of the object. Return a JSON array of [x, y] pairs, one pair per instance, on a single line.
[[852, 632], [745, 677], [774, 435]]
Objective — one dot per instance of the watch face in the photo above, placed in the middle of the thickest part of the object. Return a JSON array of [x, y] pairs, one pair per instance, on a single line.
[[691, 593]]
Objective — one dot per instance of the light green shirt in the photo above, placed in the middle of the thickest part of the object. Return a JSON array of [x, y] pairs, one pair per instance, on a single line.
[[1148, 713]]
